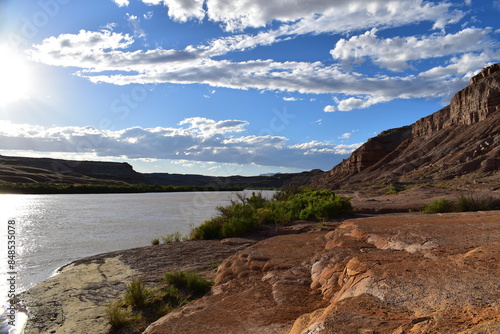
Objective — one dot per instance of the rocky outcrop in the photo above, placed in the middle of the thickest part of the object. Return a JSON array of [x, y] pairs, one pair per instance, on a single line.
[[410, 274], [460, 139], [395, 274]]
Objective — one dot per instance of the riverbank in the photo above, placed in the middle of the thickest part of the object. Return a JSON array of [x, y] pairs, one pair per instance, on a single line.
[[74, 301], [393, 273]]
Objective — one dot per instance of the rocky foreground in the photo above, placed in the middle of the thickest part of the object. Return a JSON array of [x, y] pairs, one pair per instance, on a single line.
[[392, 273]]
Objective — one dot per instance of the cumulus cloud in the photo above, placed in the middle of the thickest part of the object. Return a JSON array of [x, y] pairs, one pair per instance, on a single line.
[[396, 53], [329, 108], [121, 3], [346, 135], [194, 139]]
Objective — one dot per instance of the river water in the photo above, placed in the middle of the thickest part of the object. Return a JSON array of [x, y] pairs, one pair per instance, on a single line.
[[50, 231]]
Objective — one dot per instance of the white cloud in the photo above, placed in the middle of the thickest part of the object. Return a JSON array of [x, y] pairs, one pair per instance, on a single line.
[[194, 140], [121, 3], [95, 52], [346, 135], [134, 22], [355, 103], [107, 57], [395, 53], [291, 99], [312, 16]]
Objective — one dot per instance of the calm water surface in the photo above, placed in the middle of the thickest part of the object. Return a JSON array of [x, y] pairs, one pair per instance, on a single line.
[[53, 230]]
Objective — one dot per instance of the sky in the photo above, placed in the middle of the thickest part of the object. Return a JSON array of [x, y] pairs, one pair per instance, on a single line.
[[227, 87]]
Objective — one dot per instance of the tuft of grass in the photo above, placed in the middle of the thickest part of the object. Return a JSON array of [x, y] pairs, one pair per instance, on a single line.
[[155, 241], [118, 314], [174, 237], [141, 306], [137, 294]]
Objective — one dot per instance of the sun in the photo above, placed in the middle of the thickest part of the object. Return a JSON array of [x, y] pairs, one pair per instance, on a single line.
[[14, 76]]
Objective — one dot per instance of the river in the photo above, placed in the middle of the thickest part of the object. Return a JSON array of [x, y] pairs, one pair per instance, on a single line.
[[49, 231]]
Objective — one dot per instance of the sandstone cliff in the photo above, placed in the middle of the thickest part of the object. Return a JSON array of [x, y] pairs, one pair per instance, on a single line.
[[460, 139]]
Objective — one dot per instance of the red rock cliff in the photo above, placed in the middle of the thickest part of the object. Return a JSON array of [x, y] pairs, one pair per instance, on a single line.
[[459, 139]]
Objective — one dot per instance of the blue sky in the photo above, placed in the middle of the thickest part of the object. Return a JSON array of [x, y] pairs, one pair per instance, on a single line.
[[221, 87]]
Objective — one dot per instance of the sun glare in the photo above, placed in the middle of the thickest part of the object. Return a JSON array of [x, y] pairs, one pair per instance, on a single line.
[[14, 76]]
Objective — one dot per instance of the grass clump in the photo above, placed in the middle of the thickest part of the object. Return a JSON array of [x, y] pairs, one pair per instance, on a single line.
[[141, 306], [463, 204], [247, 214], [192, 285], [155, 241], [173, 237]]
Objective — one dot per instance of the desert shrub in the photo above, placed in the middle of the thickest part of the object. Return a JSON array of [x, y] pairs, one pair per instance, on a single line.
[[238, 226], [155, 241], [463, 204], [477, 203], [264, 216], [439, 205], [320, 204], [210, 229], [248, 214], [191, 284]]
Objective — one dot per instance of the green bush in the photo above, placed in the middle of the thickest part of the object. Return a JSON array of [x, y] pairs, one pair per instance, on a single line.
[[248, 214], [155, 241], [439, 205], [210, 229]]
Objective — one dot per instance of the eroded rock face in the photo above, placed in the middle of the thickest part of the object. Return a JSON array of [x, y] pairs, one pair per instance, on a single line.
[[409, 275], [459, 139]]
